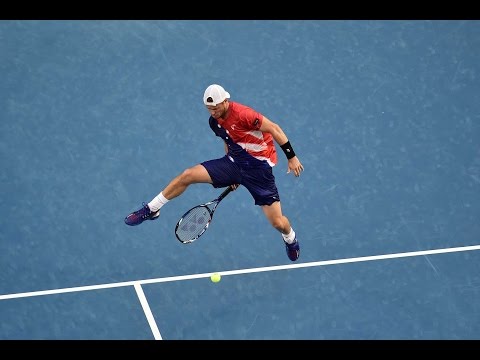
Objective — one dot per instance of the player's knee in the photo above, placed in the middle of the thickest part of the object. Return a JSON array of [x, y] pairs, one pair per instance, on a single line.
[[188, 176], [185, 177], [278, 223]]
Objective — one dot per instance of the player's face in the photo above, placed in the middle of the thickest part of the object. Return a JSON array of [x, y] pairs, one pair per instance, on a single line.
[[219, 110]]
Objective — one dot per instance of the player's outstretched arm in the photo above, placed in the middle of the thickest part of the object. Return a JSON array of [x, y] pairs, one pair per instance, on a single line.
[[294, 164]]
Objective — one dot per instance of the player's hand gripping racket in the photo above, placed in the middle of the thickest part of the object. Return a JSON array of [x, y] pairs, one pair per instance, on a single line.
[[196, 220]]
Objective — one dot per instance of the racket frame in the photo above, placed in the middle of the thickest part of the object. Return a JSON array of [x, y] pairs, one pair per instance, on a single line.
[[211, 210]]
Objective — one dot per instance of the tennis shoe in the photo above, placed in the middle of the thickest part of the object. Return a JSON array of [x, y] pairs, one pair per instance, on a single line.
[[293, 250], [139, 216]]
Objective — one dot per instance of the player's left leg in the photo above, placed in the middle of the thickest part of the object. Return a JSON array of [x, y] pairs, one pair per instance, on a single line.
[[273, 213], [260, 182]]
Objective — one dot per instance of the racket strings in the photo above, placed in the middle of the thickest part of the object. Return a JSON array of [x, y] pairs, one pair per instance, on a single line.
[[194, 223]]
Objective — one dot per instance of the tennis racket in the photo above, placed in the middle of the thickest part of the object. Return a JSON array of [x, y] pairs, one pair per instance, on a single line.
[[196, 220]]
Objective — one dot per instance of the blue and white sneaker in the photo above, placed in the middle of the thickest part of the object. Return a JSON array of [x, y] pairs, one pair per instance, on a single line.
[[293, 250], [139, 216]]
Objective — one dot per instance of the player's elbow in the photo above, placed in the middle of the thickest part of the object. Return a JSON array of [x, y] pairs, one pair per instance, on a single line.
[[276, 130], [279, 135]]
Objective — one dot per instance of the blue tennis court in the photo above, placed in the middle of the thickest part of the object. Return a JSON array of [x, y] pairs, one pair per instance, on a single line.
[[97, 117]]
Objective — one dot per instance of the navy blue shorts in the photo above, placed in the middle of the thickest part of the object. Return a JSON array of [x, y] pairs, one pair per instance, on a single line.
[[258, 180]]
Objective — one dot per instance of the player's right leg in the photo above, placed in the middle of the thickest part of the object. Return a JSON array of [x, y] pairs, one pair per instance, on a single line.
[[151, 211], [194, 175]]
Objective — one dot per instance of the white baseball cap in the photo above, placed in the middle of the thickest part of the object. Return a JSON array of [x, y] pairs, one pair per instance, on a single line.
[[214, 95]]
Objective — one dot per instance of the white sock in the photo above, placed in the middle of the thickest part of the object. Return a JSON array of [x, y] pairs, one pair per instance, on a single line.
[[290, 237], [157, 202]]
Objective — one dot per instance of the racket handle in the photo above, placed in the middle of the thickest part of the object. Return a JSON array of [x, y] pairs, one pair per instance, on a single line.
[[225, 193]]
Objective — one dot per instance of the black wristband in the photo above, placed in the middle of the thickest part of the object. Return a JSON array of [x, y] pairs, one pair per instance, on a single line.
[[288, 150]]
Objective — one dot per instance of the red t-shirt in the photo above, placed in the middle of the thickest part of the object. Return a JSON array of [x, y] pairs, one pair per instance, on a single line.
[[243, 124]]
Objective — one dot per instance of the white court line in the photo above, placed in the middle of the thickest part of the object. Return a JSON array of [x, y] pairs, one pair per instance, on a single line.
[[148, 312], [238, 272]]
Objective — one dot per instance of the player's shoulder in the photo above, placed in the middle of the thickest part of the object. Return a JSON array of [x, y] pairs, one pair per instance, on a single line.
[[236, 106], [243, 110], [212, 122]]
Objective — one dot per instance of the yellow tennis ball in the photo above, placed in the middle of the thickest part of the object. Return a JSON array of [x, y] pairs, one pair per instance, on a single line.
[[215, 277]]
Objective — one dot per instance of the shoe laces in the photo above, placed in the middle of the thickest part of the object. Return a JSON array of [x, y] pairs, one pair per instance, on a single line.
[[292, 245], [145, 211]]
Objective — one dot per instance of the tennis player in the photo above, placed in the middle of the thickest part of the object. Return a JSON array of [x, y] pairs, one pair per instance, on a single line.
[[250, 156]]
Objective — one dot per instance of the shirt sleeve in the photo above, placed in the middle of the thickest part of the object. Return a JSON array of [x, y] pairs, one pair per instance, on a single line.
[[251, 119]]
